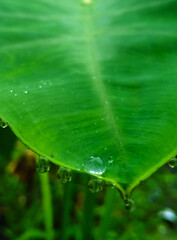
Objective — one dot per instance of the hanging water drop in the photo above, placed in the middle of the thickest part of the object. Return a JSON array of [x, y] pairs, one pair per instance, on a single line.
[[129, 204], [110, 184], [173, 162], [95, 185], [3, 124], [95, 165], [64, 175], [42, 165]]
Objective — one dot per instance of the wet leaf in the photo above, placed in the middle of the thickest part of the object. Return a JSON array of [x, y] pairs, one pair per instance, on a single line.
[[92, 79]]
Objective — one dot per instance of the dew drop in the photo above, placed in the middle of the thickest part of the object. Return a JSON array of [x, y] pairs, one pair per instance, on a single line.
[[3, 124], [25, 92], [173, 162], [129, 204], [11, 91], [42, 165], [64, 175], [95, 185], [15, 94], [40, 86], [95, 165]]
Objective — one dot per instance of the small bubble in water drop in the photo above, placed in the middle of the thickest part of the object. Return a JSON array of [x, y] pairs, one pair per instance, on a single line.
[[42, 165], [173, 162], [64, 175], [3, 124], [110, 160], [95, 165], [129, 204], [95, 185]]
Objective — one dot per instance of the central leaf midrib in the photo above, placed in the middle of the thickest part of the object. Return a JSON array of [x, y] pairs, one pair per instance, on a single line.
[[98, 84]]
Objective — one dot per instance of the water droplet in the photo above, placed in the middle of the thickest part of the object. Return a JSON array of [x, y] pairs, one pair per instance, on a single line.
[[42, 165], [168, 215], [11, 91], [40, 86], [95, 165], [15, 94], [25, 92], [173, 162], [64, 175], [95, 185], [110, 184], [3, 124], [129, 204]]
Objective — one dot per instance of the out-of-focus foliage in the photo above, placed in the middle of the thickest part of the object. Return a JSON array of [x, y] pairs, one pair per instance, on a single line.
[[79, 214]]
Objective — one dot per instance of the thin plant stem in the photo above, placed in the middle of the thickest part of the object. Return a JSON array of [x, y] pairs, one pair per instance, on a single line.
[[47, 206], [88, 214], [106, 218], [68, 203]]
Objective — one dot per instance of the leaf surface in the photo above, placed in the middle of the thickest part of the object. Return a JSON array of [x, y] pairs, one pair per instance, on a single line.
[[91, 84]]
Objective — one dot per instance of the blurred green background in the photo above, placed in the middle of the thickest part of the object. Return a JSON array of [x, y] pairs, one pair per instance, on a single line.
[[77, 213]]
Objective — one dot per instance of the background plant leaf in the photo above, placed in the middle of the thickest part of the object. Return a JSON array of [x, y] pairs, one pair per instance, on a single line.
[[92, 78]]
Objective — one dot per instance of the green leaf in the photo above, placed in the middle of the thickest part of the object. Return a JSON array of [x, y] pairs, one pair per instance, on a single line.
[[91, 84]]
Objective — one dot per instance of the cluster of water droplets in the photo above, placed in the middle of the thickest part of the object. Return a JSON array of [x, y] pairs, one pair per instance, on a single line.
[[25, 91], [64, 175], [42, 165], [173, 162], [129, 204], [3, 124]]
